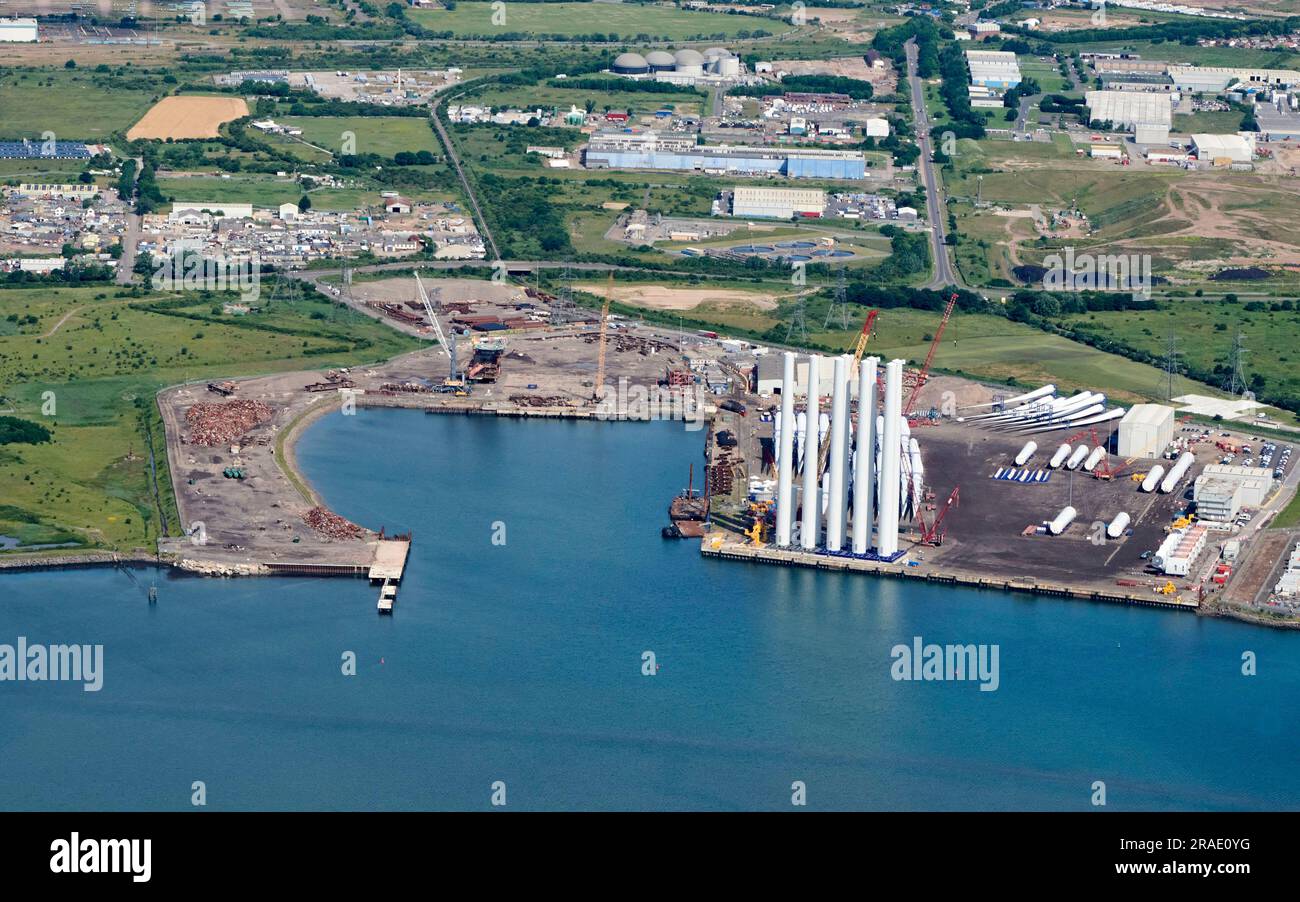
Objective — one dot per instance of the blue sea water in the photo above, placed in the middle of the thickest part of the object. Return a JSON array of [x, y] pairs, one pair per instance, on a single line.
[[522, 662]]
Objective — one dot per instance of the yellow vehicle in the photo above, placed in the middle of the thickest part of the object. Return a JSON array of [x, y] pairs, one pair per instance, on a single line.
[[1167, 589]]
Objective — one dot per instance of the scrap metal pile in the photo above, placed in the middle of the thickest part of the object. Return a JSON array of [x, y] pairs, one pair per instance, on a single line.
[[330, 525], [224, 422], [540, 400]]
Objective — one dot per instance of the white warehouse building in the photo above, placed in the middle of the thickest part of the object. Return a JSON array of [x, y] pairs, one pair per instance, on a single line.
[[777, 203], [1145, 431], [993, 68], [1213, 79], [1217, 148], [1129, 109], [19, 31]]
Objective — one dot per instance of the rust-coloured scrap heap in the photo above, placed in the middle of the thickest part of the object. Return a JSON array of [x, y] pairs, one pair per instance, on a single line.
[[331, 526], [223, 422]]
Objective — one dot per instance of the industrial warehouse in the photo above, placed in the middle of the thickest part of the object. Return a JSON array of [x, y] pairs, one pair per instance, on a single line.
[[651, 150]]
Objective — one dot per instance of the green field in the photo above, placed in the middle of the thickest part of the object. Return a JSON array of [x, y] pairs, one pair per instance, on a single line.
[[104, 364], [74, 105], [1205, 329], [627, 20], [1046, 73], [382, 135], [269, 191], [1215, 122]]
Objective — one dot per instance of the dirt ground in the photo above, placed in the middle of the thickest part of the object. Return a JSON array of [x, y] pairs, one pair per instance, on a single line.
[[188, 117], [884, 80], [400, 290], [658, 297]]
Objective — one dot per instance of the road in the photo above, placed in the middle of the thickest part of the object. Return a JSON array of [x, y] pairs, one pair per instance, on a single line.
[[126, 263], [936, 209], [464, 180]]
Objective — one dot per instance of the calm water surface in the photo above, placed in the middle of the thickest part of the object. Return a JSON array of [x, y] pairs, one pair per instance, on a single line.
[[522, 662]]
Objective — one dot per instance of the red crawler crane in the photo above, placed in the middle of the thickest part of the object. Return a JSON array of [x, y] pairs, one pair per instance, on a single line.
[[924, 374], [933, 533]]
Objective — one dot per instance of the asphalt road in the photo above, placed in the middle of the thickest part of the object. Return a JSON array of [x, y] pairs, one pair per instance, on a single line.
[[450, 147], [936, 208]]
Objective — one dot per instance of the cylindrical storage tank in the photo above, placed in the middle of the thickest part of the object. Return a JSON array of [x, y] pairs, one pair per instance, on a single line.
[[729, 66], [1059, 457], [1153, 478], [1117, 526], [1077, 457], [713, 53], [660, 61], [1025, 453], [689, 62], [631, 64], [1063, 520], [1094, 458], [1178, 471]]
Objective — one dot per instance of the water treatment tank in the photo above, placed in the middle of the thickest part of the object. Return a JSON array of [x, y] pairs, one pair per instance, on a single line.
[[1025, 453], [1117, 526], [1059, 457], [1063, 520], [689, 62], [1077, 457], [1153, 478], [631, 64], [660, 61]]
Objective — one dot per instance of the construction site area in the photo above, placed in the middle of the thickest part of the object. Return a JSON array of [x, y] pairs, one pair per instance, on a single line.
[[247, 511], [1042, 491]]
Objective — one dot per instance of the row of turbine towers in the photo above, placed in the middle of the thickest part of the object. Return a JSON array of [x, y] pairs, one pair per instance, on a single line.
[[871, 462]]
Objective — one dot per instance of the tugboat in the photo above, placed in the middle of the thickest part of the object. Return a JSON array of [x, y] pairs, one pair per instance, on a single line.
[[688, 511]]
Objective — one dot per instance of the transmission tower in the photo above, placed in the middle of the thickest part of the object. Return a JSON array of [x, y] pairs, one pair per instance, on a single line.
[[839, 309], [284, 288], [1236, 383], [797, 324], [1171, 367], [345, 299], [564, 310]]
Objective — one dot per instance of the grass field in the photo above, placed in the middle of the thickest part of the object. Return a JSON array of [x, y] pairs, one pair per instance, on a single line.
[[1175, 52], [382, 135], [1217, 122], [103, 366], [627, 20], [1204, 330], [75, 105], [269, 191], [1046, 73]]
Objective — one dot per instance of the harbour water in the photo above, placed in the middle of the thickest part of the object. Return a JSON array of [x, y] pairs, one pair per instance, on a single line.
[[522, 662]]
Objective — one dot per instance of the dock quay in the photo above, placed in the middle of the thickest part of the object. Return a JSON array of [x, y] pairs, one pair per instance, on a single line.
[[717, 545], [387, 569]]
